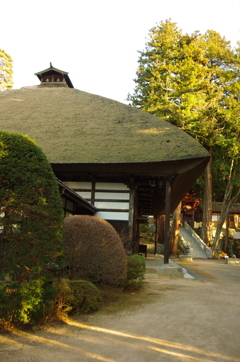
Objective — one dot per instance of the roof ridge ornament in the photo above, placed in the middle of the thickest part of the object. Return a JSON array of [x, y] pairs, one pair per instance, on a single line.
[[53, 77]]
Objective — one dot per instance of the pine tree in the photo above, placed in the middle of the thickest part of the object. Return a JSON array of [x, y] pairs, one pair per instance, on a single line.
[[190, 81]]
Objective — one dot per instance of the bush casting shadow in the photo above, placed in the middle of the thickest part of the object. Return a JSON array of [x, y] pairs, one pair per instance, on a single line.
[[94, 251]]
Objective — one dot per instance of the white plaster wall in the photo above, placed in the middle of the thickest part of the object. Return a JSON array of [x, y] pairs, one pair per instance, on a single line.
[[112, 199]]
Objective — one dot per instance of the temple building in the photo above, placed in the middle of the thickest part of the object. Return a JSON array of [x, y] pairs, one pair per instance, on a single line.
[[124, 163]]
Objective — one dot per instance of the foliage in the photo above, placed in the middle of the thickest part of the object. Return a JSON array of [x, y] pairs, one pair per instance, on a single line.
[[145, 228], [94, 251], [25, 302], [86, 296], [192, 81], [151, 249], [31, 228], [184, 78], [135, 270], [6, 79], [235, 248], [78, 296], [62, 301], [31, 208]]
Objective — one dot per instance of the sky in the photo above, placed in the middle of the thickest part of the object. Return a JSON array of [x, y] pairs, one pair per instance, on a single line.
[[97, 41]]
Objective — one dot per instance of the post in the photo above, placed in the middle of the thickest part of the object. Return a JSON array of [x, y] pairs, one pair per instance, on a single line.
[[131, 216], [161, 231], [156, 235], [167, 220]]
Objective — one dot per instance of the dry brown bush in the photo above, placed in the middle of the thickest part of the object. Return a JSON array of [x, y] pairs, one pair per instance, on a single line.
[[94, 251]]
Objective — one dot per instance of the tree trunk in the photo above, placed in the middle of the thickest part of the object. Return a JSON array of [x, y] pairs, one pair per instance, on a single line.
[[226, 205], [225, 248], [207, 204], [223, 215], [175, 229]]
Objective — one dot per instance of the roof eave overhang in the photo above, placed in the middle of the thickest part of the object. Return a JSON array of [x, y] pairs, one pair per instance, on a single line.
[[183, 174], [75, 197], [156, 168]]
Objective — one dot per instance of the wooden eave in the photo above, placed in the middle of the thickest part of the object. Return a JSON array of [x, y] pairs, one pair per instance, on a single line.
[[49, 69]]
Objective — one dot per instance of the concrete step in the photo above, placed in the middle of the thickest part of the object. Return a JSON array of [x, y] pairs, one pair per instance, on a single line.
[[155, 268]]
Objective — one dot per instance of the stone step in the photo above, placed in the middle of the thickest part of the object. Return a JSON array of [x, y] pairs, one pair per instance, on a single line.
[[165, 271], [195, 250]]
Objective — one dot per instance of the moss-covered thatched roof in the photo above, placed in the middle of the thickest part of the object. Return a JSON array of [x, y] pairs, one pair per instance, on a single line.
[[73, 126]]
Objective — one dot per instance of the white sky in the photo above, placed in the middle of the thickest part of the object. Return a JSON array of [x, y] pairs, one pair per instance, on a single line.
[[96, 41]]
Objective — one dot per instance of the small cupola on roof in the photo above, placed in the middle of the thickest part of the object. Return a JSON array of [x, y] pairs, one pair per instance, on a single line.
[[53, 77]]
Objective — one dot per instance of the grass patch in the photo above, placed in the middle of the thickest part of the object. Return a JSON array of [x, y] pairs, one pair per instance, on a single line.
[[127, 300]]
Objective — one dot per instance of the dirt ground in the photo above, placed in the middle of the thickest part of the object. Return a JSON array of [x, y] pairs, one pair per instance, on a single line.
[[172, 319]]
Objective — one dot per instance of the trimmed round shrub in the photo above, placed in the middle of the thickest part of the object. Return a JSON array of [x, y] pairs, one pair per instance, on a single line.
[[86, 296], [94, 251], [78, 296], [31, 221]]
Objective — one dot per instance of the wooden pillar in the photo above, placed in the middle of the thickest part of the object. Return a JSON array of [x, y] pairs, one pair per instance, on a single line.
[[167, 221], [93, 192], [131, 223], [138, 227], [161, 229], [156, 235]]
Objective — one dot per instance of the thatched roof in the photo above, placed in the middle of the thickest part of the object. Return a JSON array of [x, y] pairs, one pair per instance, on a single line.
[[73, 127]]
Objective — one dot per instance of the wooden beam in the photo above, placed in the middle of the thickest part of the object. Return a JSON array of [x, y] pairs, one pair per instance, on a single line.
[[93, 192], [167, 221]]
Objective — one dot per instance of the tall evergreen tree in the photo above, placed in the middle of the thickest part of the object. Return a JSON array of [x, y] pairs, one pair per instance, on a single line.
[[187, 80], [227, 152], [31, 220], [6, 73]]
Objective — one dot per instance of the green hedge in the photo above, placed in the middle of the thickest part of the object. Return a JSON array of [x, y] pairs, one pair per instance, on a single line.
[[77, 296], [86, 296]]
